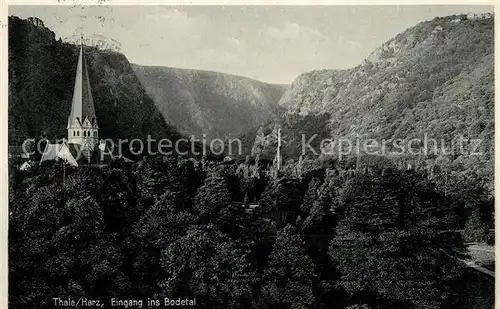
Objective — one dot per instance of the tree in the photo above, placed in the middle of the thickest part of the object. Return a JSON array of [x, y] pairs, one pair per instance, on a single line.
[[213, 196], [65, 249], [205, 264], [311, 195], [390, 246], [319, 219], [281, 200], [289, 278], [116, 195], [154, 231], [475, 229]]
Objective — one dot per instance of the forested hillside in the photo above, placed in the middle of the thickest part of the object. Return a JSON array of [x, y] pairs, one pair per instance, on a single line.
[[434, 79], [202, 102], [171, 227], [41, 80]]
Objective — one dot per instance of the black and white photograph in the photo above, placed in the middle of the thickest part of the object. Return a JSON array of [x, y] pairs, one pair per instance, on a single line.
[[250, 156]]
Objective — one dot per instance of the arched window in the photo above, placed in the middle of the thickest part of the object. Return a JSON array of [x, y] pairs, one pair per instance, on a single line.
[[73, 133], [84, 133], [95, 133], [77, 133]]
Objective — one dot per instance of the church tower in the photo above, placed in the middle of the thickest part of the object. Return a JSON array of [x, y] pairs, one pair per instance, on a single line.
[[82, 122]]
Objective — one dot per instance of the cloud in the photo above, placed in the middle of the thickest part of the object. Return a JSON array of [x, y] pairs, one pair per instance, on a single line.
[[238, 43], [167, 31], [295, 32], [175, 19], [348, 43], [353, 43]]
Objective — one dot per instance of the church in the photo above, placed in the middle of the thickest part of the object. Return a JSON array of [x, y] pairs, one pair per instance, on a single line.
[[82, 145]]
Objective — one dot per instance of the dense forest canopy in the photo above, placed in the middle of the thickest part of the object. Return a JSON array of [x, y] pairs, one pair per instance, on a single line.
[[174, 227]]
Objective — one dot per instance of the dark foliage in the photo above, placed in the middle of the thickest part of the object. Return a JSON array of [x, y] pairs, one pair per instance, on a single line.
[[169, 227]]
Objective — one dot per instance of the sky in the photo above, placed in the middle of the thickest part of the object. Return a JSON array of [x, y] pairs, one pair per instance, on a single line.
[[268, 43]]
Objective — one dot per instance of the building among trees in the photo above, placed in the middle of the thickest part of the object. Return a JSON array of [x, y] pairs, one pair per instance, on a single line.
[[81, 146]]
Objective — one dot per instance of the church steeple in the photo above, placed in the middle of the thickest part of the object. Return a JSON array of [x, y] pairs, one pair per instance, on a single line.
[[82, 121]]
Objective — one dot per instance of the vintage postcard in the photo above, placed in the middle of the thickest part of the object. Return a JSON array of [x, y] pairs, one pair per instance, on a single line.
[[250, 156]]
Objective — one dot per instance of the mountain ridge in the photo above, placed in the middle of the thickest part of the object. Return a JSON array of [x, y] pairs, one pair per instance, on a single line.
[[206, 102], [435, 78], [210, 71]]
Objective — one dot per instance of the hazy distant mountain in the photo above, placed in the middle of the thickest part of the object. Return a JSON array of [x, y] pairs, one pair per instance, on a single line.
[[41, 80], [435, 78], [203, 102]]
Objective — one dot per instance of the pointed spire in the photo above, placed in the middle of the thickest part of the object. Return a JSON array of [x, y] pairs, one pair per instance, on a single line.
[[83, 105]]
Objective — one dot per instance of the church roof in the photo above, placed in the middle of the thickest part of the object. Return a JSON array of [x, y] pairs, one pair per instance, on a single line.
[[77, 155], [82, 106], [58, 151]]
